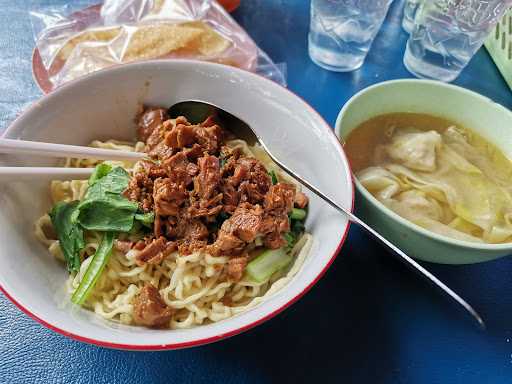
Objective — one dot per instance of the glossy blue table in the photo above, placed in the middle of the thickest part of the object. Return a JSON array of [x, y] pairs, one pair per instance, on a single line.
[[369, 320]]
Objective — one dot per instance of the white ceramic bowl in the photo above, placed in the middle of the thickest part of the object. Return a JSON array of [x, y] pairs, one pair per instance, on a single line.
[[490, 120], [102, 106]]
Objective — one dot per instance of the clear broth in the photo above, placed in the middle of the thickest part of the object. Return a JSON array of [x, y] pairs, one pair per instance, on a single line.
[[361, 142]]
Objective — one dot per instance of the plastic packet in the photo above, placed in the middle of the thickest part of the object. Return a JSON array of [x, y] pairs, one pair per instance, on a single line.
[[74, 40]]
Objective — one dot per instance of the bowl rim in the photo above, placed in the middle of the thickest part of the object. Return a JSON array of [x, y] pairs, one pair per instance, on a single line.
[[387, 211], [172, 346]]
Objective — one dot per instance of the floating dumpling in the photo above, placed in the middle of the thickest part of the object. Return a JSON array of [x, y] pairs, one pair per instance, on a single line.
[[435, 174], [415, 149]]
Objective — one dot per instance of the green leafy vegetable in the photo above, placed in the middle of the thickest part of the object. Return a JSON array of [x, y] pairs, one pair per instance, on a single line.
[[136, 228], [265, 265], [145, 218], [297, 227], [99, 172], [104, 208], [273, 176], [108, 213], [221, 217], [298, 214], [291, 238], [94, 270], [113, 183], [70, 234]]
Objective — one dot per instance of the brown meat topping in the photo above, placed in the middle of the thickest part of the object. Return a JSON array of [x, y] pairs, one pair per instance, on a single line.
[[230, 196], [274, 240], [193, 229], [197, 211], [179, 168], [149, 120], [168, 196], [206, 183], [149, 309], [155, 143], [244, 223], [226, 244], [301, 200], [280, 198], [181, 136], [155, 252], [236, 267], [205, 195]]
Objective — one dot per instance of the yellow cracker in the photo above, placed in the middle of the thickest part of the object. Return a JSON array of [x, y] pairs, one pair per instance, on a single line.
[[98, 35], [153, 40]]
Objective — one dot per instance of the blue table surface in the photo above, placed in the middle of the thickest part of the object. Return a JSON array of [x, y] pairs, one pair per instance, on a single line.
[[368, 320]]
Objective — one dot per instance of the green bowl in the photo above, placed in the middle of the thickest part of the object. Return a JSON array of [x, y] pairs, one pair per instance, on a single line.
[[490, 120]]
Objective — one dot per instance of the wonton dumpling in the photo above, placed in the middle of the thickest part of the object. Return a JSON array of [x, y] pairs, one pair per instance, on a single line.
[[414, 205], [415, 149], [446, 230], [444, 183], [379, 182], [494, 165], [472, 196], [428, 213], [417, 203]]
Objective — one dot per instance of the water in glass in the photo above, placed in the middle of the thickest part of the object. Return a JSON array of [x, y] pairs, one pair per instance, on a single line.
[[410, 8], [447, 33], [342, 31]]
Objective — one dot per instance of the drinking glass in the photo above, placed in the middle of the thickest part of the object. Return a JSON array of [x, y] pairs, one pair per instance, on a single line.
[[447, 33], [410, 9], [342, 31]]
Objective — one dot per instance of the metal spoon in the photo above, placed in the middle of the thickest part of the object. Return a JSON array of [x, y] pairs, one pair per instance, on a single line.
[[197, 111]]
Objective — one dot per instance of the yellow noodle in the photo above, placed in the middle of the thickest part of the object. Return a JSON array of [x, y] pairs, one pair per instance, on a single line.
[[196, 285]]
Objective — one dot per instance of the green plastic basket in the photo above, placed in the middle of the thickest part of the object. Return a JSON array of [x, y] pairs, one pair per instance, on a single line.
[[499, 46]]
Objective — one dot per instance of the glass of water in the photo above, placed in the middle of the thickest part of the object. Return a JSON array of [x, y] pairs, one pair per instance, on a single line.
[[447, 33], [410, 8], [342, 31]]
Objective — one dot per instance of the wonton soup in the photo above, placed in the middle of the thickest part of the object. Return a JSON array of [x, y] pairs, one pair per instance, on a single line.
[[436, 174]]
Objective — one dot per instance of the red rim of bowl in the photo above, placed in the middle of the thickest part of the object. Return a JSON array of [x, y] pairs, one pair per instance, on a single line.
[[159, 347]]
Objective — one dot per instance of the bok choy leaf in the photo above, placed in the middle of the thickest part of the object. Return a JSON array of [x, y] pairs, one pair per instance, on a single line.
[[104, 208], [70, 234], [111, 213], [94, 270], [265, 265], [99, 172], [145, 218], [113, 182]]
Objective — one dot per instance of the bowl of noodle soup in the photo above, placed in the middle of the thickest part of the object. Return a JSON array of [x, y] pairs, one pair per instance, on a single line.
[[99, 110]]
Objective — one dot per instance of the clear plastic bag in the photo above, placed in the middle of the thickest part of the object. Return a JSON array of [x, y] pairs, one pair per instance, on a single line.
[[72, 41]]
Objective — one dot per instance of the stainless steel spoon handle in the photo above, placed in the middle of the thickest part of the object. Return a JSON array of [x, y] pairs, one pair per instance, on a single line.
[[395, 250]]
